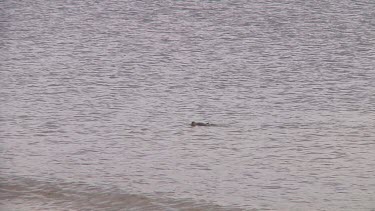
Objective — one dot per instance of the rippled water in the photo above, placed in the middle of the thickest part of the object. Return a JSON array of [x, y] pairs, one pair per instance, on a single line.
[[97, 98]]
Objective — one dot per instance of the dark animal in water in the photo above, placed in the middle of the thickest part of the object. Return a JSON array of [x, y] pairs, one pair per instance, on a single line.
[[200, 124]]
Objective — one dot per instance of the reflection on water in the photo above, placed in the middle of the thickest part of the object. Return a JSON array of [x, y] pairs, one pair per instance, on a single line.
[[97, 101]]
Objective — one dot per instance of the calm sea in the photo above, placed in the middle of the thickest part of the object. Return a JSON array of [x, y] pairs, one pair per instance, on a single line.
[[97, 97]]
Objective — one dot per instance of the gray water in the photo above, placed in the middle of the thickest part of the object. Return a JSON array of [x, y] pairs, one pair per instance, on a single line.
[[97, 97]]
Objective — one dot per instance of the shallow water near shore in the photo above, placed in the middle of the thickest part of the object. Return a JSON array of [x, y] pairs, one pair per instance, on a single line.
[[97, 99]]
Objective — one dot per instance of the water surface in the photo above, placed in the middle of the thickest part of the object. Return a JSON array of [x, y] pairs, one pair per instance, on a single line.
[[97, 98]]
